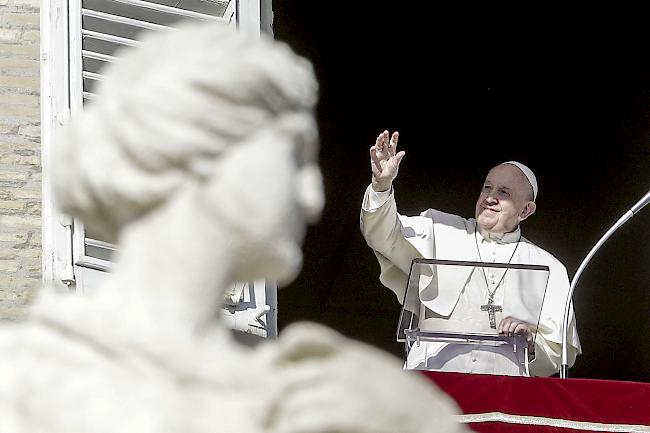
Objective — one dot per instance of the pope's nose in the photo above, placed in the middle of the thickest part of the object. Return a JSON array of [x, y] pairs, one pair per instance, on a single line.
[[491, 199]]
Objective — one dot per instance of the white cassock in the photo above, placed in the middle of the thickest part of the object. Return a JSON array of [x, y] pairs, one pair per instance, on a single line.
[[397, 240]]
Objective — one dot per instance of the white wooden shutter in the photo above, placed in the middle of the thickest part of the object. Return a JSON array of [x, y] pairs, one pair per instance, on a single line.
[[96, 32], [99, 28]]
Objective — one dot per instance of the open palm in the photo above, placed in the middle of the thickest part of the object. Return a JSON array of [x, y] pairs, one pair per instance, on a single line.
[[385, 160]]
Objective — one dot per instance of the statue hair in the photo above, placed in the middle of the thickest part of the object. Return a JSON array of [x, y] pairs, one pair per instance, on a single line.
[[167, 112]]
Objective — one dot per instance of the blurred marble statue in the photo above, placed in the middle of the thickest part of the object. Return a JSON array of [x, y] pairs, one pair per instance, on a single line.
[[199, 161]]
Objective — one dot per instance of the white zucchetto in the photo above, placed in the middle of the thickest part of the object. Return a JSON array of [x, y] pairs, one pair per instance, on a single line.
[[529, 175]]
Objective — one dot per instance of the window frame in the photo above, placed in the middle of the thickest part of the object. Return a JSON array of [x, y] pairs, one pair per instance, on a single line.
[[65, 259], [61, 97]]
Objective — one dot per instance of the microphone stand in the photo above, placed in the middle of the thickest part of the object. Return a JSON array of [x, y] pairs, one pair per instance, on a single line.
[[564, 369]]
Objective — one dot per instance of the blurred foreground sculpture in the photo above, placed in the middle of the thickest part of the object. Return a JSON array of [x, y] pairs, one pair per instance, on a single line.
[[199, 160]]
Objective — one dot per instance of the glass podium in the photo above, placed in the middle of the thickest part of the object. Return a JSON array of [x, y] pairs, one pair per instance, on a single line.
[[451, 312]]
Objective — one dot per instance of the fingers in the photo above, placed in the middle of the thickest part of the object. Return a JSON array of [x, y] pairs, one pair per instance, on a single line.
[[502, 324], [521, 329], [398, 157], [511, 326], [382, 141], [392, 144], [383, 144], [375, 163], [384, 152]]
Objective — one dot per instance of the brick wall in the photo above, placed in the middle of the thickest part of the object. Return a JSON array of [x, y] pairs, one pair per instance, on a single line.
[[20, 169]]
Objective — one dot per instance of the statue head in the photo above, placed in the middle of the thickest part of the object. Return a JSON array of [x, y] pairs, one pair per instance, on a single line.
[[200, 154], [226, 123]]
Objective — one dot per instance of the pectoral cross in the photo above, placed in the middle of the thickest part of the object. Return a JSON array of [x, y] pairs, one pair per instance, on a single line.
[[491, 308]]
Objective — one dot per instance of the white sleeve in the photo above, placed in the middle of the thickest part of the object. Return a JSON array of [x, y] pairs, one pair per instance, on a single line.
[[376, 199]]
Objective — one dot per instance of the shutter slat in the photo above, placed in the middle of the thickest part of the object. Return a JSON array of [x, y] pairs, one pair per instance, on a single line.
[[123, 20], [110, 38], [98, 56], [92, 76], [169, 9]]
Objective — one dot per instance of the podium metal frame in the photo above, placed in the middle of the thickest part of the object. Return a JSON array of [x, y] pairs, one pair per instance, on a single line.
[[414, 335]]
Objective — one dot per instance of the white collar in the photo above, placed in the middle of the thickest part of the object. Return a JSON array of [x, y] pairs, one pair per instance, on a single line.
[[500, 238]]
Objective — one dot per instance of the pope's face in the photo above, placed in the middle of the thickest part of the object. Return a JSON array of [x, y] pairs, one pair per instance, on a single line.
[[505, 200]]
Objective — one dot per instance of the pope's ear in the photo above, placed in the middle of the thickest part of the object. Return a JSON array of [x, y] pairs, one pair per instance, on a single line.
[[527, 211]]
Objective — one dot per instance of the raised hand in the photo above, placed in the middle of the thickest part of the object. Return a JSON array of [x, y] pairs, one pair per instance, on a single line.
[[385, 160]]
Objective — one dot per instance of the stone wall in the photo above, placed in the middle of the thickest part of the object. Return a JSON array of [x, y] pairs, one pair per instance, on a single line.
[[20, 167]]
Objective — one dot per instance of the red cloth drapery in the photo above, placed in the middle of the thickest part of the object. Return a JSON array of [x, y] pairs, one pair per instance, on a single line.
[[527, 404]]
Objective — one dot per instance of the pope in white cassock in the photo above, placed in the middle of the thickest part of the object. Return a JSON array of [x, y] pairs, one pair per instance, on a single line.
[[494, 235]]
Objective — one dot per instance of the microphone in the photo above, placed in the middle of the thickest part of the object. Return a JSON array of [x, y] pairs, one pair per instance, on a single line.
[[564, 369]]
